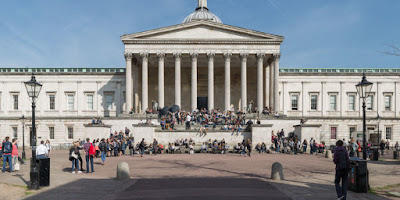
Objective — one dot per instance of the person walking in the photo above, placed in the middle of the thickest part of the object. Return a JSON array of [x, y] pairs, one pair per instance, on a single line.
[[90, 152], [14, 154], [249, 146], [142, 145], [42, 151], [103, 150], [342, 161], [131, 145], [155, 147], [382, 146], [48, 146], [353, 148]]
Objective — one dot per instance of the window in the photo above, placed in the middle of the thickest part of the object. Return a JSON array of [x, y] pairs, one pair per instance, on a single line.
[[333, 132], [352, 102], [52, 100], [352, 130], [70, 133], [90, 101], [51, 133], [71, 103], [332, 102], [370, 102], [295, 100], [15, 132], [388, 133], [109, 101], [314, 102], [388, 102], [15, 101]]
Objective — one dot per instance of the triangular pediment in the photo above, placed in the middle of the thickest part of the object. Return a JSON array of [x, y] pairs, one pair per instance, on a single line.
[[202, 30]]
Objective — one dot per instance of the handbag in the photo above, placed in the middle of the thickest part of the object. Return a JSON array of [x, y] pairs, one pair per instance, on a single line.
[[73, 155], [16, 167]]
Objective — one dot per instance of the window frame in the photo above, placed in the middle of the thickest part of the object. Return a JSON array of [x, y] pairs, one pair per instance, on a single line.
[[50, 132], [68, 94], [316, 101], [87, 101], [390, 101], [333, 133], [294, 107], [52, 94], [353, 103], [15, 105], [368, 103], [386, 132], [70, 133], [107, 94], [14, 132], [330, 101]]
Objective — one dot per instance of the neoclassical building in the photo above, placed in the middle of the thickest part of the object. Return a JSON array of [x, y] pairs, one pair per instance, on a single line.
[[200, 63]]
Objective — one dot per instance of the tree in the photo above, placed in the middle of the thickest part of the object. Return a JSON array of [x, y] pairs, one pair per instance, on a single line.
[[393, 50]]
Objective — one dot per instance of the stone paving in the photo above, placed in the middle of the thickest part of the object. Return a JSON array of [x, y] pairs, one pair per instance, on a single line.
[[203, 176]]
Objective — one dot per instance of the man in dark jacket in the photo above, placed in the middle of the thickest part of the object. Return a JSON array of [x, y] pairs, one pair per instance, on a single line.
[[6, 152], [103, 149], [341, 159]]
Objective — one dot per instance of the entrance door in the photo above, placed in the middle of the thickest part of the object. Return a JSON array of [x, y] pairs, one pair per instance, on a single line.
[[202, 102]]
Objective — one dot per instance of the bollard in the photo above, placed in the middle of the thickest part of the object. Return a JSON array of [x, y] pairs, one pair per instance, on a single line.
[[328, 154], [277, 171], [123, 171]]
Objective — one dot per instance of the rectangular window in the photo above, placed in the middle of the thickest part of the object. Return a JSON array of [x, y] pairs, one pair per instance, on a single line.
[[295, 100], [388, 133], [388, 102], [352, 130], [15, 102], [90, 102], [352, 102], [51, 132], [370, 102], [314, 102], [332, 102], [71, 103], [52, 100], [15, 132], [70, 133], [333, 132]]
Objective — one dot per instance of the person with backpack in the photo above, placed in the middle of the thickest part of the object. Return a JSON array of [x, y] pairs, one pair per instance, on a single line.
[[90, 152], [342, 161], [6, 152], [103, 150], [142, 146]]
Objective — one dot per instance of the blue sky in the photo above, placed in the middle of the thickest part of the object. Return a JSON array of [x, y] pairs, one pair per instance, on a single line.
[[318, 33]]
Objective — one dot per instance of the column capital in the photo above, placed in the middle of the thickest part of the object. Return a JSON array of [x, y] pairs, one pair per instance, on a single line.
[[194, 55], [277, 56], [128, 56], [244, 56], [210, 55], [145, 56], [161, 56], [178, 56], [227, 55], [260, 56]]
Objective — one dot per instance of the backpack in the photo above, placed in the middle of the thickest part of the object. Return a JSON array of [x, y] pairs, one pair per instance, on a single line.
[[7, 148], [92, 151], [342, 162]]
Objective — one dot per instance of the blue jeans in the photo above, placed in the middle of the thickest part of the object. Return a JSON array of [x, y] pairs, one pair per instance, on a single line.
[[5, 159], [89, 158], [341, 190], [141, 151], [75, 161], [304, 149], [103, 156]]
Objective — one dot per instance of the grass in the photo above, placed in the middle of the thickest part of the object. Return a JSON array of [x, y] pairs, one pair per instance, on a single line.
[[383, 190]]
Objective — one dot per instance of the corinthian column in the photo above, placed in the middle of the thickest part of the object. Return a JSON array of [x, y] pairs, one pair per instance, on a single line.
[[210, 57], [145, 81], [227, 57], [260, 65], [276, 82], [194, 79], [243, 58], [128, 81], [178, 58], [161, 57]]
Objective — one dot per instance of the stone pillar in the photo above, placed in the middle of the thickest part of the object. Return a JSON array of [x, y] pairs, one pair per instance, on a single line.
[[276, 82], [243, 58], [210, 57], [194, 80], [267, 77], [227, 57], [260, 95], [161, 57], [128, 79], [178, 58], [145, 81], [271, 85]]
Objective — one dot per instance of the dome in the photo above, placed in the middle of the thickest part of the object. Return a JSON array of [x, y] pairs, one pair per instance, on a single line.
[[202, 13]]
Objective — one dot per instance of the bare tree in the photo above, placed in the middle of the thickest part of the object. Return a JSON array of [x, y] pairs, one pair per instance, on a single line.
[[393, 50]]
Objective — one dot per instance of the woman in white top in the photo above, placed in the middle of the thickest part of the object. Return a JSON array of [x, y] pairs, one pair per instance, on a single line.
[[48, 146]]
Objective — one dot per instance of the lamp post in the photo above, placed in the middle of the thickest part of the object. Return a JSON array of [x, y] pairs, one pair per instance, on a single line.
[[33, 88], [363, 89], [378, 120], [23, 119]]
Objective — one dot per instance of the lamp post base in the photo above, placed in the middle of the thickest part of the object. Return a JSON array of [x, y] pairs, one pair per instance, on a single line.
[[23, 155]]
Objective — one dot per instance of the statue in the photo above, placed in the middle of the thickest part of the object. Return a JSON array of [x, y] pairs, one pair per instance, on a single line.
[[250, 107]]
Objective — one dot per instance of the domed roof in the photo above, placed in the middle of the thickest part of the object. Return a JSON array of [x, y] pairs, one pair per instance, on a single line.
[[202, 13]]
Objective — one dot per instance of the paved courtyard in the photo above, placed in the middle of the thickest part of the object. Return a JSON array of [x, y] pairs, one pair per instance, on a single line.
[[199, 176]]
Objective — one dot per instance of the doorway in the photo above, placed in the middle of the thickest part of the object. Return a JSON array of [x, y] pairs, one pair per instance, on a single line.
[[202, 102]]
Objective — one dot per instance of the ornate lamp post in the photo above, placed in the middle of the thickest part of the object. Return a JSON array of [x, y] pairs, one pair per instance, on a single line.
[[363, 89], [378, 120], [33, 88], [23, 119]]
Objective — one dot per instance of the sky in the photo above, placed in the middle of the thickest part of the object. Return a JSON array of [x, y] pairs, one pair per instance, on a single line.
[[318, 33]]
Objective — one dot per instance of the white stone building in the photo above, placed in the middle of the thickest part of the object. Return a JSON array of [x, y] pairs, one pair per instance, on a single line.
[[200, 63]]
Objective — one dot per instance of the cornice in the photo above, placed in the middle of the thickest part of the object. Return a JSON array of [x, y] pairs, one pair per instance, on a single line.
[[202, 42]]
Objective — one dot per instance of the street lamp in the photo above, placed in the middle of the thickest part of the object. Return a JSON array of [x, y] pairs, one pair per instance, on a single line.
[[23, 119], [33, 88], [378, 120], [363, 89]]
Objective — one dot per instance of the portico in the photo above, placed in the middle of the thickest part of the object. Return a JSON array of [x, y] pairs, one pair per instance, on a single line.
[[202, 57]]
